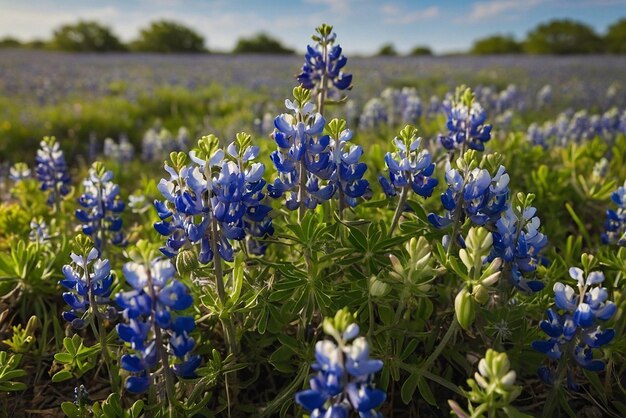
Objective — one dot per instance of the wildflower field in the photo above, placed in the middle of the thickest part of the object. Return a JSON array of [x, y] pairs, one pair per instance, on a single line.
[[327, 236]]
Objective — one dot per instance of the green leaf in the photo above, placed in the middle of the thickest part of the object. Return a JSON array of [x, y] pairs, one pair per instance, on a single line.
[[65, 358], [70, 410], [408, 388], [425, 391], [61, 376]]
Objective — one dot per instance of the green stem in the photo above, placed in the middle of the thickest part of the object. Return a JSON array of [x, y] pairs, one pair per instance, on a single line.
[[399, 209], [442, 344], [227, 324], [161, 351], [99, 332]]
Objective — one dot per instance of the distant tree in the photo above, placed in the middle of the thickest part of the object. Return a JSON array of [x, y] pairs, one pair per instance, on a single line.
[[168, 37], [421, 50], [387, 50], [86, 36], [615, 38], [563, 37], [37, 44], [10, 42], [496, 44], [260, 44]]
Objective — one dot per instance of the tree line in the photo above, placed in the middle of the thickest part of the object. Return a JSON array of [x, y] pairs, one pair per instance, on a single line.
[[161, 36], [559, 37]]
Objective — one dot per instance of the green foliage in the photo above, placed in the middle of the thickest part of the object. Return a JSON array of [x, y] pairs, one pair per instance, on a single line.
[[496, 44], [615, 38], [168, 37], [86, 36], [421, 50], [77, 359], [9, 370], [261, 44], [10, 42], [23, 338], [111, 407], [563, 37], [492, 390], [387, 50]]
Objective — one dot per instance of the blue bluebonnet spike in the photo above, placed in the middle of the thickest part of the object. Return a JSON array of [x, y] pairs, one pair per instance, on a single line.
[[576, 331], [52, 170], [150, 308], [518, 242], [323, 66], [101, 208], [87, 276], [615, 224], [344, 379], [466, 123], [303, 156], [409, 166], [479, 196], [222, 191]]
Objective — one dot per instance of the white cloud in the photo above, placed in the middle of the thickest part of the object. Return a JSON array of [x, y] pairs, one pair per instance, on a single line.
[[334, 6], [485, 10], [29, 24], [396, 16]]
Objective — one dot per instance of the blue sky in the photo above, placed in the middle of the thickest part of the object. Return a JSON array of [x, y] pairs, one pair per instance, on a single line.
[[362, 26]]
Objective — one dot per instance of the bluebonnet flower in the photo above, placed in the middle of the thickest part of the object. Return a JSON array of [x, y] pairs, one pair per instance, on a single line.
[[122, 152], [52, 171], [214, 200], [19, 172], [152, 321], [403, 105], [615, 224], [374, 114], [89, 281], [323, 64], [466, 123], [303, 155], [575, 331], [409, 166], [544, 96], [39, 231], [518, 242], [101, 208], [474, 194], [81, 396], [344, 379], [345, 171]]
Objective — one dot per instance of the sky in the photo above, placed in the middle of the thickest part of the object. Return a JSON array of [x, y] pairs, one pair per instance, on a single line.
[[362, 26]]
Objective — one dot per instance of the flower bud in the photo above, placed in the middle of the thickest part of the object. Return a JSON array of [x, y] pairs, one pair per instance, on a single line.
[[464, 308], [186, 261]]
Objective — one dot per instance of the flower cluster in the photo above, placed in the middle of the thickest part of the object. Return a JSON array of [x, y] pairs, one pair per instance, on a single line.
[[345, 171], [39, 231], [303, 155], [88, 280], [150, 311], [409, 166], [393, 107], [466, 123], [518, 242], [474, 193], [52, 171], [122, 152], [615, 223], [19, 172], [322, 69], [345, 374], [575, 331], [214, 200], [102, 207], [492, 389]]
